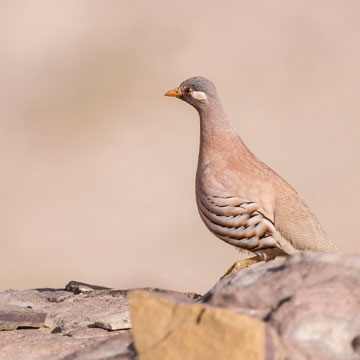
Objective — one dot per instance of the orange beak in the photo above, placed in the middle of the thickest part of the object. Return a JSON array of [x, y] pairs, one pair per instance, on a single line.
[[175, 93]]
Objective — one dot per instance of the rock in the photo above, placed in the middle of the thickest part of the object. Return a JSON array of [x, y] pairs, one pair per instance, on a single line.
[[118, 321], [311, 299], [36, 344], [165, 329], [117, 347], [356, 344], [78, 287], [306, 306], [70, 324], [83, 310], [13, 317], [67, 311]]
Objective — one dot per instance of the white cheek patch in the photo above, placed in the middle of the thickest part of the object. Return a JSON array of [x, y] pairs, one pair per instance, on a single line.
[[199, 95]]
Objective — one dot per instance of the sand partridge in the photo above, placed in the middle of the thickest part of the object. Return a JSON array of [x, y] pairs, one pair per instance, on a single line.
[[240, 199]]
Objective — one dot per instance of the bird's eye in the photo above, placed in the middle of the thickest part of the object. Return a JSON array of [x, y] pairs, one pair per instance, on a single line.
[[187, 90]]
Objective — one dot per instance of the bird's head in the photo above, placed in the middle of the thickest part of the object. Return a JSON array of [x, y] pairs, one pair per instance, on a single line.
[[197, 91]]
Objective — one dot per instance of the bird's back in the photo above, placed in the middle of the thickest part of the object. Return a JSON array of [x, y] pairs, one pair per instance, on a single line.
[[297, 223]]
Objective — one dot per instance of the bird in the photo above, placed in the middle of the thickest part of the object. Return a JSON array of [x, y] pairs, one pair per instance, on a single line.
[[240, 199]]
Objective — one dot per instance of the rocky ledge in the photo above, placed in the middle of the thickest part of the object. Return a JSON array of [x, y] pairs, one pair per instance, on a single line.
[[306, 306]]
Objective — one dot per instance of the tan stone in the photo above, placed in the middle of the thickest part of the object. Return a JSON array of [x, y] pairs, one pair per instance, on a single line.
[[164, 329], [118, 321]]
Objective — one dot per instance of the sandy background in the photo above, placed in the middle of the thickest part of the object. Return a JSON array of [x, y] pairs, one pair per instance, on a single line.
[[97, 166]]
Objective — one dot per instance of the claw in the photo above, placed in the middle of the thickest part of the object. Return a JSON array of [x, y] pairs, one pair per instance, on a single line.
[[242, 264]]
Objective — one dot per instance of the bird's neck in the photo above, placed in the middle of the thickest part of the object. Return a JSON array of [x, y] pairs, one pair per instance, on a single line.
[[216, 132]]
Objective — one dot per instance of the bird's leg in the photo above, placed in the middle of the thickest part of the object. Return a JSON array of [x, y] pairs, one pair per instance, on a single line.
[[242, 264]]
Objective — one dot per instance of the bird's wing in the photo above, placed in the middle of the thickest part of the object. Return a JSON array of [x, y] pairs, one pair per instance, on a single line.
[[238, 221], [298, 225]]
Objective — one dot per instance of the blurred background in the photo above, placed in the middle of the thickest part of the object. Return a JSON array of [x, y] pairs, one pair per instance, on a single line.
[[98, 167]]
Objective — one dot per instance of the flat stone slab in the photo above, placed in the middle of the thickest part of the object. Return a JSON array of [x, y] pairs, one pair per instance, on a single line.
[[40, 344], [78, 287], [81, 322], [67, 311], [118, 347], [118, 321], [12, 317], [76, 308]]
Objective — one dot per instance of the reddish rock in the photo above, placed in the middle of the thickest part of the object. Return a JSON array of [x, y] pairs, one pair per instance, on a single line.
[[311, 299], [117, 347], [310, 302], [70, 327], [14, 316], [38, 344]]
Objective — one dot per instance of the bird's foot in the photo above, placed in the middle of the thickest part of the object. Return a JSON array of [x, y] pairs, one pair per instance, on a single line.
[[242, 264]]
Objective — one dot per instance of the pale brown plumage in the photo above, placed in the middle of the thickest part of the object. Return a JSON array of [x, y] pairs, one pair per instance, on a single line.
[[240, 199]]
